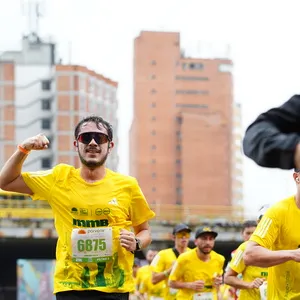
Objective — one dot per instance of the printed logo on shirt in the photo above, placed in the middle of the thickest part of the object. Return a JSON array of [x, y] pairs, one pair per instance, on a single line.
[[90, 223], [113, 201]]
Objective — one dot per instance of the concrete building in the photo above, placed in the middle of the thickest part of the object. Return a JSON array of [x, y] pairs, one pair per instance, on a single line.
[[181, 135], [39, 95]]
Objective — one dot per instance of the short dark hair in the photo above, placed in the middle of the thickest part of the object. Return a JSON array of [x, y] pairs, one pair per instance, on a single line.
[[97, 120], [249, 223]]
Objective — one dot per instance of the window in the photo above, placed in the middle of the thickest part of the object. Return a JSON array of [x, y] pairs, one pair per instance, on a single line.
[[46, 85], [153, 62], [227, 68], [46, 104], [196, 66], [153, 161], [154, 189], [187, 105], [153, 132], [153, 91], [192, 92], [153, 104], [46, 124], [191, 78], [178, 175], [178, 161], [153, 175], [179, 120], [178, 147], [153, 118], [179, 191], [46, 163], [153, 147], [153, 76]]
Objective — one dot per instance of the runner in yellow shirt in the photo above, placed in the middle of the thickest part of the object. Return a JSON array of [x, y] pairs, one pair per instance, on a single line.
[[165, 259], [94, 210], [251, 283], [252, 277], [198, 273], [275, 245]]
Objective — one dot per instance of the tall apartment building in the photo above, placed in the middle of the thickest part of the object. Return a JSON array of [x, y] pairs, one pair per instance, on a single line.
[[38, 95], [181, 135]]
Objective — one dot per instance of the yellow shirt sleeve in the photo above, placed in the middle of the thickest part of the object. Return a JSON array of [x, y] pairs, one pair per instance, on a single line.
[[237, 262], [158, 263], [177, 270], [40, 182], [140, 211], [267, 230]]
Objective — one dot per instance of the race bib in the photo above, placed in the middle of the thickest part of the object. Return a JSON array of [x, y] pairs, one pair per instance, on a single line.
[[155, 298], [203, 296], [263, 291], [173, 292], [91, 244]]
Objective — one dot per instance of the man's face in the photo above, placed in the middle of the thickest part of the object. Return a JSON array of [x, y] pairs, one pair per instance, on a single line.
[[247, 232], [205, 243], [150, 255], [93, 145], [182, 238]]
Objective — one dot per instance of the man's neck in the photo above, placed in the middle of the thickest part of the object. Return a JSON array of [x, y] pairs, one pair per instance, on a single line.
[[180, 249], [92, 175], [203, 256]]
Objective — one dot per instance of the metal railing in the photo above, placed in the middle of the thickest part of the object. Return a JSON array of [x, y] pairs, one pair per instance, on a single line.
[[168, 213]]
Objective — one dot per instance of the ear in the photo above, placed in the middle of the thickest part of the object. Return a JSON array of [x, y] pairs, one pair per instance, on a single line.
[[110, 146], [75, 143], [296, 177]]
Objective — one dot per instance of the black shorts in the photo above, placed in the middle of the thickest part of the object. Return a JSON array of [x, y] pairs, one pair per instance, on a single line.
[[91, 295]]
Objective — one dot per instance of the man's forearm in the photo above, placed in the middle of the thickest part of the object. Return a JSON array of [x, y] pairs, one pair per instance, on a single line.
[[145, 237], [264, 258], [236, 282], [179, 284], [12, 168]]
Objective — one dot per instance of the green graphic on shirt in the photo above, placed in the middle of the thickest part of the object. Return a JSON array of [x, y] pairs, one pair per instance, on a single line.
[[118, 274], [85, 277], [100, 279]]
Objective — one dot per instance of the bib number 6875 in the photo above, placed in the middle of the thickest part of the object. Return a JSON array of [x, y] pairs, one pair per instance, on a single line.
[[91, 245]]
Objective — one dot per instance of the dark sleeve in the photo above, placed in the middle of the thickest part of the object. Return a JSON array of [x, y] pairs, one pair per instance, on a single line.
[[272, 138]]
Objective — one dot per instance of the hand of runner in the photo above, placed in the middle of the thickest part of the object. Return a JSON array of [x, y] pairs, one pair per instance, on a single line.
[[127, 240], [38, 142], [256, 283]]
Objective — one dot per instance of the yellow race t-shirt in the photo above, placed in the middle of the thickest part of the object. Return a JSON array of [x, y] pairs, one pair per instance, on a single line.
[[249, 273], [88, 218], [189, 268], [279, 230], [163, 261], [153, 291]]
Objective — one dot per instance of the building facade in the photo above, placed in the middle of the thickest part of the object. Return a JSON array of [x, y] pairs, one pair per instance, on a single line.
[[37, 95], [181, 134]]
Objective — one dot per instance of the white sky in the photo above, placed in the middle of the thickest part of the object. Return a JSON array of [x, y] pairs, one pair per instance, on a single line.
[[265, 48]]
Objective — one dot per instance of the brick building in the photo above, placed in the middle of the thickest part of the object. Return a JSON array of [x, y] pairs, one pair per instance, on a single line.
[[181, 136]]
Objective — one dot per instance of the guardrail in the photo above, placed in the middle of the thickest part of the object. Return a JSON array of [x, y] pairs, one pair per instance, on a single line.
[[192, 214]]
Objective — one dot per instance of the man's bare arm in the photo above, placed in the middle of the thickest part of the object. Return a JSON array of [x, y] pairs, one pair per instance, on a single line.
[[256, 255]]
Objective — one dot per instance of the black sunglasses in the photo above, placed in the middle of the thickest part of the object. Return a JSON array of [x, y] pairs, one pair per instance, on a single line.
[[87, 137]]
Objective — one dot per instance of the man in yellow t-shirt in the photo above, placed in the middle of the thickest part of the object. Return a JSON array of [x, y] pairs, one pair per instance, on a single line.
[[198, 273], [252, 278], [275, 245], [163, 262], [94, 210], [144, 280]]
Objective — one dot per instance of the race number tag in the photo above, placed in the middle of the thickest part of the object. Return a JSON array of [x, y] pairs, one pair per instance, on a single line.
[[91, 244], [173, 292], [203, 296], [263, 291]]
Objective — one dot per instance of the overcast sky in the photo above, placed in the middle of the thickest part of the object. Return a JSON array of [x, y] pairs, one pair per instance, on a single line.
[[263, 37]]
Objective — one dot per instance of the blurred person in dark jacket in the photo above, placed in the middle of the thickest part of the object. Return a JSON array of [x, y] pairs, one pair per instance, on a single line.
[[273, 139]]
